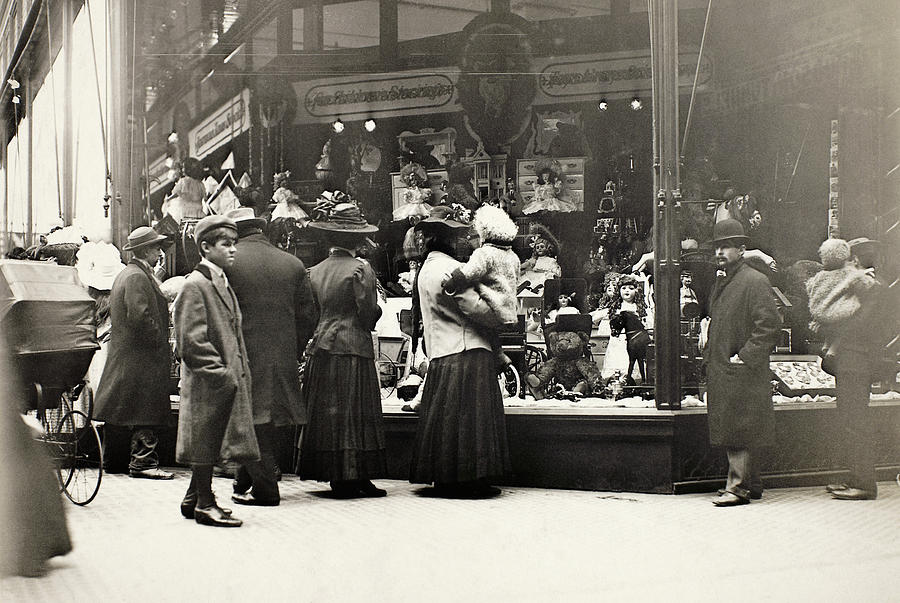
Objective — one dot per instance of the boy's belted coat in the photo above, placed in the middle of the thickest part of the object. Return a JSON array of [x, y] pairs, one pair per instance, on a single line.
[[215, 374]]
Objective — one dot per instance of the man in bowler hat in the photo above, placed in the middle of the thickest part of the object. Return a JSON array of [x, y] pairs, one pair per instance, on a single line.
[[743, 328], [279, 316], [133, 394]]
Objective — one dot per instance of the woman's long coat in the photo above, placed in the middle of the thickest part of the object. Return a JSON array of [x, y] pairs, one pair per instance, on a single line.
[[215, 419], [134, 388], [744, 321]]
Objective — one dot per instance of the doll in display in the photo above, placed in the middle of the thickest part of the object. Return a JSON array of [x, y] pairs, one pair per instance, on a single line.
[[566, 305], [406, 280], [287, 203], [627, 315], [600, 314], [548, 189], [414, 199], [186, 199], [542, 264]]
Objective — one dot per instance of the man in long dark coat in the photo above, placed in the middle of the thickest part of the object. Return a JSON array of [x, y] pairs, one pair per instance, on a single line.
[[743, 328], [133, 392], [273, 290]]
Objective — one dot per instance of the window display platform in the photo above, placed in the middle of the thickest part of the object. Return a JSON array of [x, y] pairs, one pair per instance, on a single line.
[[659, 451]]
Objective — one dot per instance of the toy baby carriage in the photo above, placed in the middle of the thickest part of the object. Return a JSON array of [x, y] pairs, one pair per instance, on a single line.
[[47, 324]]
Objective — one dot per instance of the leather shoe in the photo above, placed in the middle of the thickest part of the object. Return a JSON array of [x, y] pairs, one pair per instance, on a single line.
[[369, 489], [249, 499], [155, 473], [854, 494], [730, 499], [836, 487], [215, 516], [753, 495], [189, 503]]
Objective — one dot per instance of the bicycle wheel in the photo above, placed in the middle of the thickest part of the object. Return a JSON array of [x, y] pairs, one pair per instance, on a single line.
[[83, 457], [59, 443]]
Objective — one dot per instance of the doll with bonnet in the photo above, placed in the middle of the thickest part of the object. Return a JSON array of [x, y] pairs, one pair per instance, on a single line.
[[542, 264], [548, 189], [186, 199], [286, 201]]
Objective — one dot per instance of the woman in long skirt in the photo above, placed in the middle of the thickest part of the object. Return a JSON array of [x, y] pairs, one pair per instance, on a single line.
[[343, 442], [460, 444]]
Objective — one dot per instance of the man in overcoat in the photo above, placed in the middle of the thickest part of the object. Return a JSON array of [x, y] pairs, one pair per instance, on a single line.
[[279, 316], [215, 421], [743, 328], [133, 391]]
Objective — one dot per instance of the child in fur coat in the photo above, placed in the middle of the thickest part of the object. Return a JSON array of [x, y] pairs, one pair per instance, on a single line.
[[837, 292], [492, 270]]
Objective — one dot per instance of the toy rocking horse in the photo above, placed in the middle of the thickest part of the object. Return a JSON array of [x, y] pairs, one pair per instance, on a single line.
[[638, 339]]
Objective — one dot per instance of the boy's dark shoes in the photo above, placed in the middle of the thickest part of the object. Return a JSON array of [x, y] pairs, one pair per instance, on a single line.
[[215, 516], [249, 499]]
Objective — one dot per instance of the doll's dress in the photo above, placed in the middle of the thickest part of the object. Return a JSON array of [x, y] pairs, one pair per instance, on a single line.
[[600, 335], [186, 200], [412, 203], [546, 199], [286, 207], [616, 358], [537, 271]]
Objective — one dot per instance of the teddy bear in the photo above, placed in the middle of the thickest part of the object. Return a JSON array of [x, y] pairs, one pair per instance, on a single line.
[[569, 366]]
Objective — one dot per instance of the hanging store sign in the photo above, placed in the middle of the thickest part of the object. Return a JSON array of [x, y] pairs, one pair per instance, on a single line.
[[160, 174], [614, 75], [226, 123], [582, 78], [384, 96]]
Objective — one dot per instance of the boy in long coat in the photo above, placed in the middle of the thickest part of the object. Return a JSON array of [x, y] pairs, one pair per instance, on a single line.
[[133, 393], [743, 329], [216, 418], [279, 317]]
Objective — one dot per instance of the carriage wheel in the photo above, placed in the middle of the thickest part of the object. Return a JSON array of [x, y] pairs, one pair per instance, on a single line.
[[510, 381], [81, 457]]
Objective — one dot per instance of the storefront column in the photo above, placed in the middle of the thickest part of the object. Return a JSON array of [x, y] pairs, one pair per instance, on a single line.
[[667, 187]]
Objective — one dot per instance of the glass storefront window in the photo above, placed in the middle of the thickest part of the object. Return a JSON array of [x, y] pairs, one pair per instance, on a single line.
[[351, 25], [17, 180], [265, 45], [46, 187], [559, 9], [297, 27], [422, 20]]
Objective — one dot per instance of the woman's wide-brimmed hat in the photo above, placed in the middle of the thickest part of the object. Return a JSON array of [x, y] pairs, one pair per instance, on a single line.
[[143, 236], [728, 230], [345, 217], [98, 265], [446, 216]]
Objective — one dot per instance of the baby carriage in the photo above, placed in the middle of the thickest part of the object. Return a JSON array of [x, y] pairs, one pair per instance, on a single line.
[[47, 325]]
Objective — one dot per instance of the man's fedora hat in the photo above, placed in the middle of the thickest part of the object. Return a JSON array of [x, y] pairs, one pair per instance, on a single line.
[[244, 217], [728, 230], [141, 237], [210, 223]]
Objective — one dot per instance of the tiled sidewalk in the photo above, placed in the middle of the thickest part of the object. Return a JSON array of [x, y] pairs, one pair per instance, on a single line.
[[131, 544]]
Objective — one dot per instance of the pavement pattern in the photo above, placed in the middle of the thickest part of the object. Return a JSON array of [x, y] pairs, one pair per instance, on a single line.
[[528, 544]]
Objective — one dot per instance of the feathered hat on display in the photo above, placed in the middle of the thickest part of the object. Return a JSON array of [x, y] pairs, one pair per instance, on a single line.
[[547, 164], [540, 232], [413, 174], [343, 216]]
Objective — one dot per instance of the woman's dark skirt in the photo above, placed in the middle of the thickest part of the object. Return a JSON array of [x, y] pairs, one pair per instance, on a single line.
[[344, 439], [462, 429]]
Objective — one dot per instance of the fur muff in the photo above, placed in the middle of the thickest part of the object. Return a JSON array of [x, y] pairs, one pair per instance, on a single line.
[[493, 225], [835, 296]]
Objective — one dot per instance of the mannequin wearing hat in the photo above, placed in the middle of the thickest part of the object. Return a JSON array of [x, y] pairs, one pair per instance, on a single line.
[[215, 420], [343, 442], [133, 395]]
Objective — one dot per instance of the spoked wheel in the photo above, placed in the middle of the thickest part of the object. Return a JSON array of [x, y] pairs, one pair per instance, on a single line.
[[510, 381], [533, 358], [79, 457], [388, 374]]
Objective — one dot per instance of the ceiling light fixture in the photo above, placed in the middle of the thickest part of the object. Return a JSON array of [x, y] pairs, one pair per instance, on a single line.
[[369, 125], [338, 126]]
